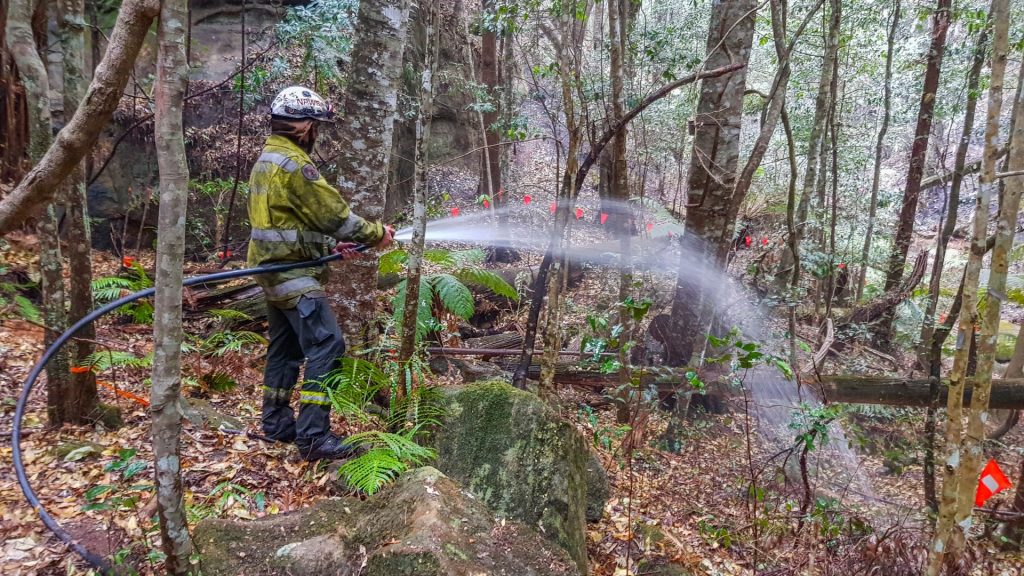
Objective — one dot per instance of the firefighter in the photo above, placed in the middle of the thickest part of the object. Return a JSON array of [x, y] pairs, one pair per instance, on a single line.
[[295, 216]]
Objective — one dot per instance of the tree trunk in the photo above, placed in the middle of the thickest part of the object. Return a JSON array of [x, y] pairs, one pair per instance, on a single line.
[[1006, 227], [419, 216], [949, 537], [712, 175], [82, 400], [942, 241], [879, 146], [918, 153], [367, 121], [953, 200], [166, 408], [816, 140], [79, 134], [25, 48], [574, 183]]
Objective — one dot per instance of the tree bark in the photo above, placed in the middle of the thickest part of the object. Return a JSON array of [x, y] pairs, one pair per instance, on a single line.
[[78, 136], [712, 177], [972, 445], [879, 146], [816, 141], [82, 400], [953, 200], [26, 50], [367, 115], [165, 400], [942, 241], [410, 314], [950, 538], [918, 153]]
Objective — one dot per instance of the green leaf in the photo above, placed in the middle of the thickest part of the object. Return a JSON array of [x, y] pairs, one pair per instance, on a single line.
[[392, 262], [133, 468], [439, 256], [27, 309], [97, 491], [424, 316], [79, 453], [454, 295], [372, 470], [487, 280]]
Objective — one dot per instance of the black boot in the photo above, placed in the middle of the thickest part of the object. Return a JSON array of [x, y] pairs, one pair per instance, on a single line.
[[278, 423], [326, 447]]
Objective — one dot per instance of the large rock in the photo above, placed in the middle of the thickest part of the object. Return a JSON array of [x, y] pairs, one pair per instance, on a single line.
[[524, 461], [423, 525]]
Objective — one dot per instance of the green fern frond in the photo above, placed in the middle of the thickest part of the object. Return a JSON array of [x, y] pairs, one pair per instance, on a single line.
[[371, 471], [221, 343], [487, 280], [109, 288], [422, 406], [469, 257], [102, 361], [353, 386], [228, 314], [454, 295], [27, 309], [424, 316], [392, 262], [402, 446], [439, 256]]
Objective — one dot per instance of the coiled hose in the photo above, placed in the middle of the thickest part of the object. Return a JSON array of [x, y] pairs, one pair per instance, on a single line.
[[19, 412]]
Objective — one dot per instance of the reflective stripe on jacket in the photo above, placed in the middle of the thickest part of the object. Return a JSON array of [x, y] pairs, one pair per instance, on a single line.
[[296, 215]]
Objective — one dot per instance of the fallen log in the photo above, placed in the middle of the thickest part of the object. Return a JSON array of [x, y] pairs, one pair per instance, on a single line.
[[1006, 393]]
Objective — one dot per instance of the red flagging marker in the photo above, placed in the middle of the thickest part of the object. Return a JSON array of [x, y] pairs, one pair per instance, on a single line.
[[992, 482]]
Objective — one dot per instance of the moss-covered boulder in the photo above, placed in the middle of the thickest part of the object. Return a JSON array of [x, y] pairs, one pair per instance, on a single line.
[[517, 455], [423, 525]]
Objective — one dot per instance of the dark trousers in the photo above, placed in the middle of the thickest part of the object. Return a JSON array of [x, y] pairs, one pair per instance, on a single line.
[[308, 332]]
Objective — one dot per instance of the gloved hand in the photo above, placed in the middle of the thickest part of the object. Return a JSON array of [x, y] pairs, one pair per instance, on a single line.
[[347, 250], [389, 237]]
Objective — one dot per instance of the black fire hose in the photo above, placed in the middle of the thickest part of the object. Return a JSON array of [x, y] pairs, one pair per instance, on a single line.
[[19, 412]]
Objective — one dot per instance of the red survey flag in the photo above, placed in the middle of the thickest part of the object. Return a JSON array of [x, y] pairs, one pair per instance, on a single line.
[[746, 240], [604, 217], [579, 213], [455, 210], [487, 204], [650, 226], [554, 207], [992, 482], [527, 199]]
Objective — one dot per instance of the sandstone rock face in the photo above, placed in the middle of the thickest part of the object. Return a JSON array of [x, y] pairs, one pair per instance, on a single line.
[[423, 525], [516, 454]]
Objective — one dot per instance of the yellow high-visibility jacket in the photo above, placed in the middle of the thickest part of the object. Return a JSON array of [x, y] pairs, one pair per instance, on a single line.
[[295, 214]]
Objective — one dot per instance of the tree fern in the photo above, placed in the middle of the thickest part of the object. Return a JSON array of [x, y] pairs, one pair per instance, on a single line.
[[401, 445], [454, 295], [487, 280]]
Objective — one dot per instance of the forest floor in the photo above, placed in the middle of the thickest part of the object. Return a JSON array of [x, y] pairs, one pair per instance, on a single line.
[[689, 509]]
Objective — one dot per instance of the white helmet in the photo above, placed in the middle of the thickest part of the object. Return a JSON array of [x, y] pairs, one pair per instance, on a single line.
[[297, 102]]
